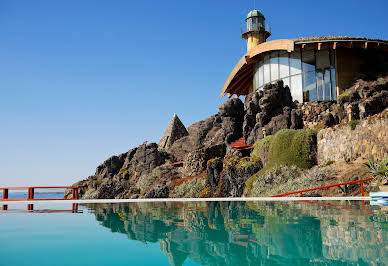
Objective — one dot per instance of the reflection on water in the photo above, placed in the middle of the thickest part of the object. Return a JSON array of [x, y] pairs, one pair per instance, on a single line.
[[248, 233], [30, 209]]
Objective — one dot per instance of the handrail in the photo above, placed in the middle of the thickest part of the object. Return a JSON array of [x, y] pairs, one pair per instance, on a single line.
[[40, 187], [31, 192], [329, 186]]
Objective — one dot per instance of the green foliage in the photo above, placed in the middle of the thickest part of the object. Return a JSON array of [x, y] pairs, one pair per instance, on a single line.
[[294, 147], [231, 160], [289, 148], [122, 171], [241, 162], [345, 93], [318, 127], [353, 123], [264, 143], [330, 162], [97, 182], [378, 169], [247, 162]]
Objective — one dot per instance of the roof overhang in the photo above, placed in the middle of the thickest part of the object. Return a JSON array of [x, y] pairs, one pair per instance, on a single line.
[[240, 79]]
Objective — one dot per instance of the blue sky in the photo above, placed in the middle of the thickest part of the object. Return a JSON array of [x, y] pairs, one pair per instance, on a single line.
[[83, 80]]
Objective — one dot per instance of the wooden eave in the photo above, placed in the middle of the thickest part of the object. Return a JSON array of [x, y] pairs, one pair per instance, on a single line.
[[240, 79]]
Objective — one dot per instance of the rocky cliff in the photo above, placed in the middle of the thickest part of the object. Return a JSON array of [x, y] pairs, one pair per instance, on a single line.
[[208, 166]]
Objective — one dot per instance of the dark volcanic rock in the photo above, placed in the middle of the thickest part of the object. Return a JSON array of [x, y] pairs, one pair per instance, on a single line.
[[111, 166], [213, 172], [233, 108], [232, 179], [109, 189], [196, 161], [373, 105], [269, 111], [215, 130], [146, 158]]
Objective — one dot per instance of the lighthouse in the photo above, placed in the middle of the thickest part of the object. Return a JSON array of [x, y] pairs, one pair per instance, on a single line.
[[256, 31]]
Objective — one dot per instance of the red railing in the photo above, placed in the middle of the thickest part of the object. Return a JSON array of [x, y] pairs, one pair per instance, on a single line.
[[176, 163], [31, 192], [240, 144], [30, 208], [300, 192]]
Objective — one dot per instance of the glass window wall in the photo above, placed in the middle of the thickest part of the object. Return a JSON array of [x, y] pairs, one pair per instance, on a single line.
[[284, 65], [309, 73]]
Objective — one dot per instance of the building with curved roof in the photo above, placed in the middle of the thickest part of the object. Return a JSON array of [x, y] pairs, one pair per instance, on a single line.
[[315, 68]]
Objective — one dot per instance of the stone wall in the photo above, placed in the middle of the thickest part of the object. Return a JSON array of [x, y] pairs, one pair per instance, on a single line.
[[369, 138], [315, 113]]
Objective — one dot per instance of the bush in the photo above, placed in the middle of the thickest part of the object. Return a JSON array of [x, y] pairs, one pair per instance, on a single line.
[[289, 148], [261, 149], [330, 162], [378, 169], [353, 123], [345, 93], [294, 147]]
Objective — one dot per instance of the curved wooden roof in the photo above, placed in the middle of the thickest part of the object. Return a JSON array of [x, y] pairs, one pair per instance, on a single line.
[[240, 79]]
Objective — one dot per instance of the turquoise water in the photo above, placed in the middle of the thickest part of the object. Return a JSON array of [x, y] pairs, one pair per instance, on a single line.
[[37, 195], [196, 233]]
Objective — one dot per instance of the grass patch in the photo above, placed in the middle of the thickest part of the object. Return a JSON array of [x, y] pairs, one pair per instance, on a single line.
[[122, 171], [289, 148], [344, 94], [206, 193], [330, 162], [353, 123], [264, 143], [318, 127]]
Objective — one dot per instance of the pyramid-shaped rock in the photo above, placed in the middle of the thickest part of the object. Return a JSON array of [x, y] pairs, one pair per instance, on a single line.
[[174, 131]]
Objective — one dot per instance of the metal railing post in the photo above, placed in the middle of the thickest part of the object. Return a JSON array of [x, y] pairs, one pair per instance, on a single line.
[[5, 193], [30, 193], [362, 189]]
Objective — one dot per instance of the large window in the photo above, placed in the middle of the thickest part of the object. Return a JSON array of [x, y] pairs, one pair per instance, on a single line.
[[309, 73]]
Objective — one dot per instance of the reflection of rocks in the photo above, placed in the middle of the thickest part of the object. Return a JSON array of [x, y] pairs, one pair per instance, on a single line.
[[239, 233]]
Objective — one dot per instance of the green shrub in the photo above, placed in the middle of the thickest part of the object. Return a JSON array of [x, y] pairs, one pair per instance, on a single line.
[[318, 127], [289, 148], [345, 93], [122, 171], [353, 123], [261, 150], [294, 147], [330, 162], [378, 169]]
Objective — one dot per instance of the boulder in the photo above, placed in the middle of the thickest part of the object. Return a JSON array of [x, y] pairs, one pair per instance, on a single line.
[[231, 108], [235, 173], [196, 161]]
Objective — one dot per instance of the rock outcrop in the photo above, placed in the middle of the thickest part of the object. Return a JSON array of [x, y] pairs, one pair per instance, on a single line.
[[268, 111], [225, 126], [174, 131], [212, 168]]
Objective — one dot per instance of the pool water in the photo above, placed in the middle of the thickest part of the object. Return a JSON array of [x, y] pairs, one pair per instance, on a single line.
[[196, 233]]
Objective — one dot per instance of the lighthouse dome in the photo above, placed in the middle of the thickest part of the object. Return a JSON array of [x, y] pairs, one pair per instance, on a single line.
[[255, 13]]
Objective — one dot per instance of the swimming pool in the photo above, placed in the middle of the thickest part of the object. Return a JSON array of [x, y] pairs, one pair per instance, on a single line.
[[195, 233]]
